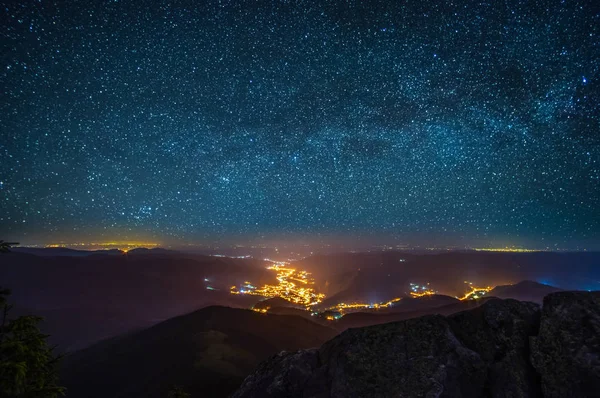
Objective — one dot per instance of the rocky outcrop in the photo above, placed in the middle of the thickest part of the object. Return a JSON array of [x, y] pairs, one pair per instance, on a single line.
[[419, 357], [566, 353], [499, 333], [483, 352], [466, 355], [284, 375]]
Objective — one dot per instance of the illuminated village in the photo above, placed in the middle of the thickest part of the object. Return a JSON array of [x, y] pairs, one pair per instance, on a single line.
[[475, 292], [420, 290], [296, 286], [124, 246]]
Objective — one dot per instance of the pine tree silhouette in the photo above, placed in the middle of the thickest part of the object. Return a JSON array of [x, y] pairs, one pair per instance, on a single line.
[[28, 367]]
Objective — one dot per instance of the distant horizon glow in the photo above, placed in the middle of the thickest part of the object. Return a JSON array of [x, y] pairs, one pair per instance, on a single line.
[[320, 249]]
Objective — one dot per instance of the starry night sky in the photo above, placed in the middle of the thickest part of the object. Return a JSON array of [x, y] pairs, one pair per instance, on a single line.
[[436, 122]]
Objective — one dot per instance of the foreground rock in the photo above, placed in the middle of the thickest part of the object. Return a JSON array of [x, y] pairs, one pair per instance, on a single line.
[[476, 353], [567, 351], [484, 352], [499, 333]]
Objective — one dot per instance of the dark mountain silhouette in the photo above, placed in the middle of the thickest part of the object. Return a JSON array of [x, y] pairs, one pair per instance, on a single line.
[[361, 319], [67, 252], [298, 312], [88, 298], [146, 251], [502, 348], [208, 353], [358, 293], [276, 302], [280, 306], [419, 303], [63, 251], [408, 308], [524, 291], [408, 303]]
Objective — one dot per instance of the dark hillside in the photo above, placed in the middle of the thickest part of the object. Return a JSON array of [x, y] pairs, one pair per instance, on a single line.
[[524, 291], [207, 352]]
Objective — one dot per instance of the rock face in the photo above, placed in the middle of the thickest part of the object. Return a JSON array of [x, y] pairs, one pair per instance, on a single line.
[[499, 332], [470, 354], [483, 352], [566, 353]]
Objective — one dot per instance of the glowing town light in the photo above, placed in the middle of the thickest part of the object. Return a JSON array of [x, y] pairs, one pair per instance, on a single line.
[[345, 307], [505, 249], [476, 292], [420, 290], [293, 286]]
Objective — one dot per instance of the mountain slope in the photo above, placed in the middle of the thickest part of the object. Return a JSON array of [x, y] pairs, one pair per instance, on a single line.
[[524, 291], [121, 292], [276, 302], [420, 303], [207, 352], [361, 319]]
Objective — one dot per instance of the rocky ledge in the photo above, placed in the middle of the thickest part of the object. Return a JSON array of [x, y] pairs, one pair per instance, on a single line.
[[505, 348]]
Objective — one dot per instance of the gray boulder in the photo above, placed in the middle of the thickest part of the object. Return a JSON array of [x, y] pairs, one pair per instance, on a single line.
[[499, 332], [566, 353], [505, 348], [422, 357], [284, 375]]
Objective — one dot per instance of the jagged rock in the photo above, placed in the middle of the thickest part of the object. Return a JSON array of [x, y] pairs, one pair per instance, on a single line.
[[483, 352], [417, 357], [283, 375], [566, 352], [499, 332], [423, 357]]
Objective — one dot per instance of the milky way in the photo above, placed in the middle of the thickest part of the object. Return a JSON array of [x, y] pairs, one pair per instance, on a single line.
[[476, 121]]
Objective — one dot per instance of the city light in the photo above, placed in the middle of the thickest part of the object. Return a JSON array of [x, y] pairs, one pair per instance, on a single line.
[[293, 286], [124, 246], [420, 290], [344, 307], [506, 250], [476, 292]]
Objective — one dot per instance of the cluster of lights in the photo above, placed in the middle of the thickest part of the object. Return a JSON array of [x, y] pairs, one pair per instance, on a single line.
[[420, 290], [208, 287], [348, 307], [294, 286], [506, 249], [123, 246], [476, 292], [224, 255]]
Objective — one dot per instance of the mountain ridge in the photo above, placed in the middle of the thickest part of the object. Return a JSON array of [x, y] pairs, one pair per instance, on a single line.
[[208, 351], [526, 290]]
